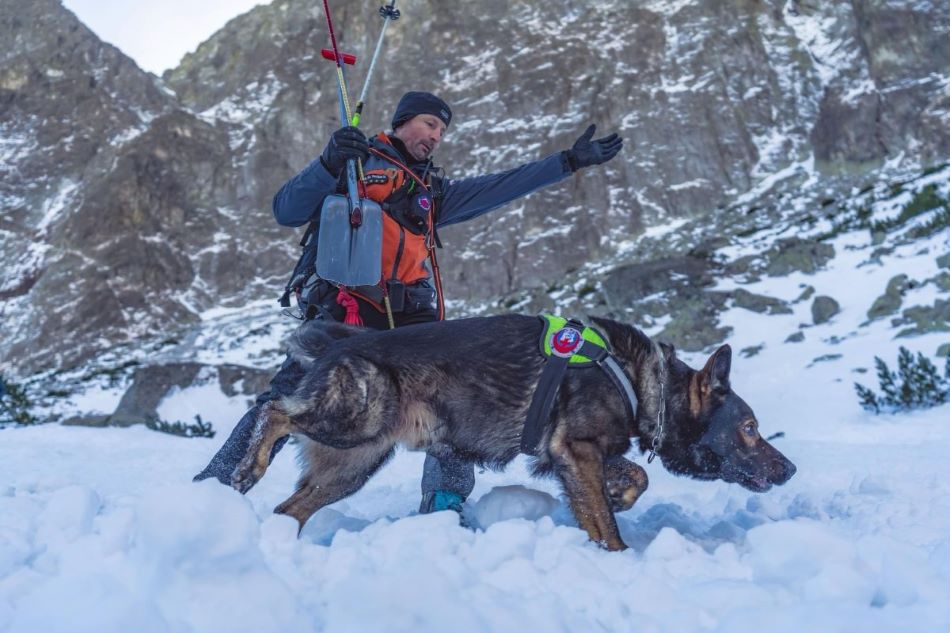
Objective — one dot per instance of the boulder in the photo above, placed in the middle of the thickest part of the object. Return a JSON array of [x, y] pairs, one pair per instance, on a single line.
[[695, 324], [150, 385], [795, 254], [742, 298], [890, 301], [823, 308], [628, 284], [796, 337], [925, 319]]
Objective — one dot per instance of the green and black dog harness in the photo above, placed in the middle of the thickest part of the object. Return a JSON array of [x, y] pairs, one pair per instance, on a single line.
[[569, 344]]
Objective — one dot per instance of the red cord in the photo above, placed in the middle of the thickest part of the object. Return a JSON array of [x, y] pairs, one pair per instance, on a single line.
[[352, 307]]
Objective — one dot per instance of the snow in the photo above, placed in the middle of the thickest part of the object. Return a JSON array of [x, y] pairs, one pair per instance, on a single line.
[[239, 113], [858, 540], [56, 204], [96, 399], [820, 33], [102, 529], [178, 404]]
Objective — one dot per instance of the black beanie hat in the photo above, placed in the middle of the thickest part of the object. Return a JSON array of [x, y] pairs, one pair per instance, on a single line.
[[415, 103]]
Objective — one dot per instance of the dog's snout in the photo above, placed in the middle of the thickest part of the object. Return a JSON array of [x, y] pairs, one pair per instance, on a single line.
[[786, 472]]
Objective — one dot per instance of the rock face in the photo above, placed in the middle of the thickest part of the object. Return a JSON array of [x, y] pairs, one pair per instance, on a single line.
[[115, 218], [131, 204]]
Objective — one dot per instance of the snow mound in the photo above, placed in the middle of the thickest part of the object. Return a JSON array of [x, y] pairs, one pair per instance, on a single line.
[[504, 503]]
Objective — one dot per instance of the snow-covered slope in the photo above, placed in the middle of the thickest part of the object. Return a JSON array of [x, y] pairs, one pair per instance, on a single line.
[[129, 206], [101, 530], [782, 152]]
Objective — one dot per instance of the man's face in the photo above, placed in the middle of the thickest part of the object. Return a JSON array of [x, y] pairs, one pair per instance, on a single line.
[[421, 135]]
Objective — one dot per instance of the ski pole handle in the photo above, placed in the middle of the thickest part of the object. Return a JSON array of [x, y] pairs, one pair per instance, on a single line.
[[389, 14], [346, 58]]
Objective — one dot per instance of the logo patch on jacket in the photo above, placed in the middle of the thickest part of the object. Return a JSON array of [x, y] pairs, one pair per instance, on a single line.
[[376, 179], [424, 200]]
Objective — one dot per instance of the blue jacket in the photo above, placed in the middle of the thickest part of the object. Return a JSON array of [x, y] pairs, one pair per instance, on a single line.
[[300, 199]]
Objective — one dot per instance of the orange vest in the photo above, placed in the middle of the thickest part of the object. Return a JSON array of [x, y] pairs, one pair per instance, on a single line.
[[404, 252]]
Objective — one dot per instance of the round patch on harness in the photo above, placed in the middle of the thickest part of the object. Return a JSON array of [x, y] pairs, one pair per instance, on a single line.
[[565, 342]]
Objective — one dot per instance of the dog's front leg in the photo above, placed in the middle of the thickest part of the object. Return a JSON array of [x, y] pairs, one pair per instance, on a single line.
[[272, 424], [580, 466]]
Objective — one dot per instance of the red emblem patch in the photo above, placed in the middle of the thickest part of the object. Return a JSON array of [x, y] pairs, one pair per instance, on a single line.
[[566, 341]]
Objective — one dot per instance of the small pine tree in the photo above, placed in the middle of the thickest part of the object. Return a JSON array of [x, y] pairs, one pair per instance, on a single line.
[[199, 429], [917, 384], [15, 405]]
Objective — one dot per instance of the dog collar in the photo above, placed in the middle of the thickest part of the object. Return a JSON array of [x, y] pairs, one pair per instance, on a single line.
[[660, 410]]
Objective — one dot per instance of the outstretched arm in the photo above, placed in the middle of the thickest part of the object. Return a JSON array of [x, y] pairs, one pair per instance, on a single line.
[[469, 198]]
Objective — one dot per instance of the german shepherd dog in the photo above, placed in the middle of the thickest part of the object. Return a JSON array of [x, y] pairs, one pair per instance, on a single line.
[[463, 387]]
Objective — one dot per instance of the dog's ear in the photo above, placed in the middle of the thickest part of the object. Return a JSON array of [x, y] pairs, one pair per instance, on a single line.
[[716, 372], [616, 332], [669, 352]]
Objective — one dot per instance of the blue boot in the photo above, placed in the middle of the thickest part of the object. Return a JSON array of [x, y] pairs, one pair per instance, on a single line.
[[444, 500], [441, 500]]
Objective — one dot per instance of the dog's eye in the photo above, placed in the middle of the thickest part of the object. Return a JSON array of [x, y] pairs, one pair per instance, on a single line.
[[749, 429]]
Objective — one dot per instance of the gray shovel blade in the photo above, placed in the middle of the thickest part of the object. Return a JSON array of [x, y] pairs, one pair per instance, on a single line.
[[350, 255]]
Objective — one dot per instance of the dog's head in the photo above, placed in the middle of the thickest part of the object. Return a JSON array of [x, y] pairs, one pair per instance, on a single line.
[[712, 433]]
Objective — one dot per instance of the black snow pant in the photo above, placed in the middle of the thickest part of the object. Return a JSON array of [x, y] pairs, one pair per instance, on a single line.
[[443, 473]]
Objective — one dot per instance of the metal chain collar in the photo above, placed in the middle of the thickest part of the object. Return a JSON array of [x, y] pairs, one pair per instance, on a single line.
[[660, 418]]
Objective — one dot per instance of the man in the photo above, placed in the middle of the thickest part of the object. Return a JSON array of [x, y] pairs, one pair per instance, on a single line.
[[417, 200]]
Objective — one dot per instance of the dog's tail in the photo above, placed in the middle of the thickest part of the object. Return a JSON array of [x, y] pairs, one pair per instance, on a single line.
[[312, 338]]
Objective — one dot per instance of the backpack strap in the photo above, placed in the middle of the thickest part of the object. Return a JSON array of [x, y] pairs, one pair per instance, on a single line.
[[297, 274], [432, 239]]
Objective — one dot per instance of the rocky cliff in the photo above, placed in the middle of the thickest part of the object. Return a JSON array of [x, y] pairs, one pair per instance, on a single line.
[[132, 204]]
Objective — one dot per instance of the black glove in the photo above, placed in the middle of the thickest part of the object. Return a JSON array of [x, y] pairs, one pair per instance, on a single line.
[[346, 143], [586, 152]]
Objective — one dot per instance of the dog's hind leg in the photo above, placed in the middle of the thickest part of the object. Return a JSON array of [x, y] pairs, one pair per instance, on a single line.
[[331, 474], [580, 467], [626, 481], [272, 424]]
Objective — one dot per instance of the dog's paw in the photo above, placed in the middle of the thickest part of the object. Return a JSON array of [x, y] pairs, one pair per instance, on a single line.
[[625, 482]]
